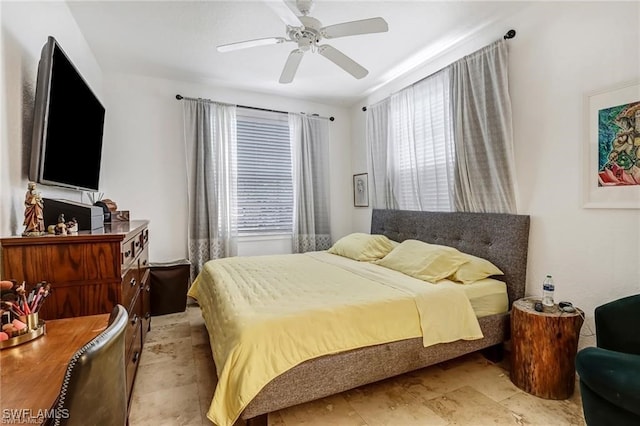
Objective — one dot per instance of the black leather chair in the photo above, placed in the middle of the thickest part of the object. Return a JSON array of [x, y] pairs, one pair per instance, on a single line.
[[94, 389], [610, 373]]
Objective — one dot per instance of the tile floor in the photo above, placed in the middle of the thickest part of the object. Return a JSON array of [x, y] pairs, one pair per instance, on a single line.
[[176, 379]]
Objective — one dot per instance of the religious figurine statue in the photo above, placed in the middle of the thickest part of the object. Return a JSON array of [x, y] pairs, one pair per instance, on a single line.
[[61, 227], [72, 226], [33, 212]]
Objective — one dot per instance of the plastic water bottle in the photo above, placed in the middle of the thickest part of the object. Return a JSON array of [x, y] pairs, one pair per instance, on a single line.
[[547, 291]]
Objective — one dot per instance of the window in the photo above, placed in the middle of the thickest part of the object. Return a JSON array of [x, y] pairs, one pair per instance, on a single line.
[[265, 186]]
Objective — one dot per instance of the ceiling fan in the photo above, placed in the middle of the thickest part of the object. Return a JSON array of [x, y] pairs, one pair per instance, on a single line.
[[307, 32]]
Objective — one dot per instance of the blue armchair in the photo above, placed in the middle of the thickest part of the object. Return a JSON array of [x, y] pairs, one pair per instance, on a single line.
[[610, 373]]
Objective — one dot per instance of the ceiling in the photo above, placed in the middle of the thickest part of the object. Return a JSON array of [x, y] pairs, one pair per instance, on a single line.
[[177, 40]]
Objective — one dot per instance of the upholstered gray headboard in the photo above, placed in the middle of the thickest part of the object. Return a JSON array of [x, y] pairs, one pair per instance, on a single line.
[[500, 238]]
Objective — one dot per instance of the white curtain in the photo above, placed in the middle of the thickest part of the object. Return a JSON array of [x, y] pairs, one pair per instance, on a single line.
[[485, 174], [377, 136], [210, 145], [310, 158]]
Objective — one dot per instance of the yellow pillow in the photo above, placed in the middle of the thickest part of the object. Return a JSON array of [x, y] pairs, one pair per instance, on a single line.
[[428, 262], [475, 269], [362, 247]]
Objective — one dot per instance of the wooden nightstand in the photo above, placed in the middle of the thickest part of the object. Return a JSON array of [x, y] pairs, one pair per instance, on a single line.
[[543, 349]]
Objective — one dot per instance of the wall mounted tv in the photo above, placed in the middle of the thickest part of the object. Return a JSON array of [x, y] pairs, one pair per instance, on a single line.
[[67, 125]]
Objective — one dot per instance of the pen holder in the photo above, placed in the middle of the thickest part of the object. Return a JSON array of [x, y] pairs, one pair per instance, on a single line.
[[31, 320]]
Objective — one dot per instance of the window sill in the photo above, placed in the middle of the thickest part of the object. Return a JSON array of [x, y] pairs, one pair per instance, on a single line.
[[263, 237]]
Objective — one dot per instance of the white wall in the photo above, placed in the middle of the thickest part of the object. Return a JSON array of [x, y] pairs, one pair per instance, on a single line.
[[562, 51], [25, 28], [144, 161]]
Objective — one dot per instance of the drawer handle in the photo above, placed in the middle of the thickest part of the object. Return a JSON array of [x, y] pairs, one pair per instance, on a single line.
[[136, 356], [132, 282], [147, 315], [137, 243], [148, 288], [144, 262], [127, 253], [135, 319]]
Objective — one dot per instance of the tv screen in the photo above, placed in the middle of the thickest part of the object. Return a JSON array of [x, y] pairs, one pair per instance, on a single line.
[[68, 125]]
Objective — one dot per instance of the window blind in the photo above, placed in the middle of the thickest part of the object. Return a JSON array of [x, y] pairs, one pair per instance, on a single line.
[[421, 146], [265, 187]]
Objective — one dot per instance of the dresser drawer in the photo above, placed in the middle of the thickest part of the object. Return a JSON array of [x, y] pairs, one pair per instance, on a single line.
[[134, 323], [138, 245], [143, 263], [144, 236], [133, 358], [145, 295], [133, 246], [127, 254], [130, 287]]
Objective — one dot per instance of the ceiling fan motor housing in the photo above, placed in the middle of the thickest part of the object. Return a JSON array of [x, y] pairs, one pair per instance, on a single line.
[[308, 34]]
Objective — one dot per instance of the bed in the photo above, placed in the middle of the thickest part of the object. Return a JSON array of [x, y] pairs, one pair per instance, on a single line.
[[499, 238]]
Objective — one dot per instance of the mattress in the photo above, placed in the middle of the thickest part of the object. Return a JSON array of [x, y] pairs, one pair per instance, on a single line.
[[487, 296]]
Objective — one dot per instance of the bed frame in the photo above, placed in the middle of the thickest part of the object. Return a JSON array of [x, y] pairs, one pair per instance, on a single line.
[[501, 238]]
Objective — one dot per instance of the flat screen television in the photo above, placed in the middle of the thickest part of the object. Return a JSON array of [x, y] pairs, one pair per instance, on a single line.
[[68, 124]]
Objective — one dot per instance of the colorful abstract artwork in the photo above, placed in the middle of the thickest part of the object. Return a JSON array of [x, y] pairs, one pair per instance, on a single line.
[[619, 145]]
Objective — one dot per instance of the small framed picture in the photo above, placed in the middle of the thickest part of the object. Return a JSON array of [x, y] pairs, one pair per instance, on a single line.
[[361, 190]]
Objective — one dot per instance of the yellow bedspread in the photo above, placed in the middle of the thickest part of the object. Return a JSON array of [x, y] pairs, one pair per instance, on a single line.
[[267, 314]]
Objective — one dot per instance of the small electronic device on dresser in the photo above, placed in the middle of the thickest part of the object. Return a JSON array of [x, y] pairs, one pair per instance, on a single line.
[[89, 217], [566, 307], [538, 307], [563, 306]]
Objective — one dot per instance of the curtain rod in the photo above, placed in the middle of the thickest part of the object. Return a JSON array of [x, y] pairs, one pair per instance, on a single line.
[[509, 35], [180, 97]]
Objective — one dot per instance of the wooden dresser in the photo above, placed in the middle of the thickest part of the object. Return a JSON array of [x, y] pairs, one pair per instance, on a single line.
[[89, 274]]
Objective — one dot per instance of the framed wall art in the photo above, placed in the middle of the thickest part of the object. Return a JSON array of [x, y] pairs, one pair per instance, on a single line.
[[611, 152], [361, 190]]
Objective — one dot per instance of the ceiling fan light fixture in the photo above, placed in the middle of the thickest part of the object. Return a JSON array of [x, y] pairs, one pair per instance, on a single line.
[[305, 43]]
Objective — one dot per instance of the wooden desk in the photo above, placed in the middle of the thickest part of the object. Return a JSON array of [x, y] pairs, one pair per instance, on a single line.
[[32, 373]]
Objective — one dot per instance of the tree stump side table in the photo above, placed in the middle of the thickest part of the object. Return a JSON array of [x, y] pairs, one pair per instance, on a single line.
[[543, 349]]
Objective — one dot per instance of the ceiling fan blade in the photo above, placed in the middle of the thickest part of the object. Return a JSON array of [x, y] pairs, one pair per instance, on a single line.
[[364, 26], [343, 61], [281, 8], [291, 66], [251, 43]]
